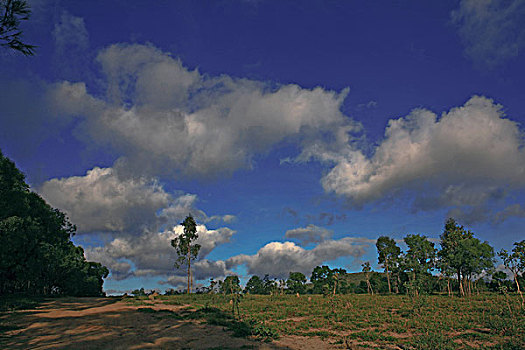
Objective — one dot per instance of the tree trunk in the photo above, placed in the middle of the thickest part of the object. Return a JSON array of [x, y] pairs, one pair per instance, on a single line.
[[189, 270], [448, 287], [388, 279], [460, 281], [519, 290]]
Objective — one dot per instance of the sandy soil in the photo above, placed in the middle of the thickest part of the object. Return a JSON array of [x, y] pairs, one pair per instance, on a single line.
[[101, 323]]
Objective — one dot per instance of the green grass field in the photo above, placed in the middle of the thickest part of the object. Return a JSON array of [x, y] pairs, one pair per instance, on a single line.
[[487, 321]]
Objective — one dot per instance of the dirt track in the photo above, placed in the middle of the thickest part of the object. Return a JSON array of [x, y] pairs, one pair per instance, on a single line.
[[98, 323]]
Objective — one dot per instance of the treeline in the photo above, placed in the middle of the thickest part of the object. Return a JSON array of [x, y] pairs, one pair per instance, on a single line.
[[463, 265], [36, 253]]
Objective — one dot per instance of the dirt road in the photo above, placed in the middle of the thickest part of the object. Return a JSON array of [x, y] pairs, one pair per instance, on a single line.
[[103, 323]]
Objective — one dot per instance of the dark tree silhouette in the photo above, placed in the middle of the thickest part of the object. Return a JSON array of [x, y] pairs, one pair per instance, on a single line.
[[36, 252], [11, 13]]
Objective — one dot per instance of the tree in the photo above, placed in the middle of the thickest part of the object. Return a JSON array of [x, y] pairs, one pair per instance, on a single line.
[[464, 254], [418, 260], [11, 13], [515, 262], [231, 285], [388, 252], [295, 282], [254, 285], [185, 248], [37, 255], [269, 285], [326, 280], [366, 270]]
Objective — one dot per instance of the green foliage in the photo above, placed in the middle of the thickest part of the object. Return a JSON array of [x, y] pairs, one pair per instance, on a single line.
[[185, 248], [231, 285], [139, 292], [36, 252], [269, 285], [254, 286], [388, 257], [296, 283], [11, 13], [463, 254], [515, 262], [418, 262], [325, 280]]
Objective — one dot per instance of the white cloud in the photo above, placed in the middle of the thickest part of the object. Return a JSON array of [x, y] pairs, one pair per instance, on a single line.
[[278, 259], [151, 254], [309, 234], [169, 119], [491, 30], [104, 201], [101, 201], [466, 158]]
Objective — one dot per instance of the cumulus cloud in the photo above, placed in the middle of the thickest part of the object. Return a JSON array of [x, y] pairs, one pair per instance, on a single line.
[[491, 30], [309, 234], [151, 254], [104, 201], [101, 201], [278, 259], [163, 117], [466, 158]]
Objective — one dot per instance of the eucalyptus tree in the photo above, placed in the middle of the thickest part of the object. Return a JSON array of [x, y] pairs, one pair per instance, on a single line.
[[389, 253], [515, 262], [367, 269], [37, 255], [464, 254], [419, 260], [185, 247], [296, 282], [254, 285], [12, 12]]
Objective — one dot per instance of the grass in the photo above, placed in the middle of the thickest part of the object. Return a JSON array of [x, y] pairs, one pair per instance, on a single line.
[[487, 321]]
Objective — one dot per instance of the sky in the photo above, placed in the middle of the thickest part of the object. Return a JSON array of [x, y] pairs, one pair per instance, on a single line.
[[295, 132]]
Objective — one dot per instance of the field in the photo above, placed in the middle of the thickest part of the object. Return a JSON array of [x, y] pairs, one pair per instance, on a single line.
[[486, 321]]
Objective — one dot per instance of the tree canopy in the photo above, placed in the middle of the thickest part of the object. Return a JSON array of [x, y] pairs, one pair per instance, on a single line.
[[12, 12], [37, 255], [185, 248]]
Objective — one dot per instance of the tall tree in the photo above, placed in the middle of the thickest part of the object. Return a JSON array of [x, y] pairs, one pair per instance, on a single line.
[[418, 260], [185, 247], [463, 253], [295, 282], [367, 269], [11, 13], [388, 254], [254, 285], [515, 262], [36, 252], [326, 280], [231, 285]]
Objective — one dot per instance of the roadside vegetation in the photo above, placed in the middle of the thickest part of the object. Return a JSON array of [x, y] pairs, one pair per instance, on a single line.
[[485, 321]]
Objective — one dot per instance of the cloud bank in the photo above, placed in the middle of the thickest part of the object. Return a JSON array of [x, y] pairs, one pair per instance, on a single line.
[[465, 159], [166, 118]]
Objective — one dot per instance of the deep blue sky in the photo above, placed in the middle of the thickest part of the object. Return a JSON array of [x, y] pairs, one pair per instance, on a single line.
[[295, 132]]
